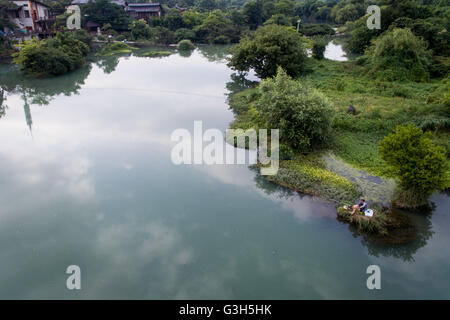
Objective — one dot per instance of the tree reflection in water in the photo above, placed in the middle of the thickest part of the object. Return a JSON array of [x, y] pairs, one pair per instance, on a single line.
[[238, 83], [423, 232], [214, 53], [3, 105], [38, 91], [107, 64]]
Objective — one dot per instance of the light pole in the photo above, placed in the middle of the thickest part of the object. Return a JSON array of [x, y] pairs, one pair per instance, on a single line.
[[298, 24]]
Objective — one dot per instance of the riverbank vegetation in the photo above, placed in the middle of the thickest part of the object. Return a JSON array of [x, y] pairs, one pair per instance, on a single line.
[[114, 48], [401, 80], [392, 227], [53, 56]]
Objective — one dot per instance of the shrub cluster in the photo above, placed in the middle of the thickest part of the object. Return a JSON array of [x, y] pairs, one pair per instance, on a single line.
[[52, 56]]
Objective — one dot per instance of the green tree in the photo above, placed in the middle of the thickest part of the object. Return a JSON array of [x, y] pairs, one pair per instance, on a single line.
[[270, 47], [361, 36], [433, 30], [185, 45], [192, 18], [285, 7], [140, 29], [217, 26], [237, 16], [173, 20], [302, 114], [52, 56], [258, 11], [163, 35], [348, 10], [184, 33], [319, 46], [420, 166], [399, 55], [206, 5], [279, 19], [103, 12]]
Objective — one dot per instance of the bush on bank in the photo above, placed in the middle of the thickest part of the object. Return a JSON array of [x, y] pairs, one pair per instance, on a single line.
[[52, 56], [302, 114], [186, 45], [420, 166]]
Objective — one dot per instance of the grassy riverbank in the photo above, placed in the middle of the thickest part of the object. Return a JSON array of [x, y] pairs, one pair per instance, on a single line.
[[351, 165], [380, 107]]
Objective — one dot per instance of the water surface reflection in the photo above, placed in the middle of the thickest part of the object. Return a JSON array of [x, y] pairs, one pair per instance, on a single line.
[[94, 186]]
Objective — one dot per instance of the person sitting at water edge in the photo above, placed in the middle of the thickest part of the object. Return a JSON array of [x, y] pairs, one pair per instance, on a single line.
[[361, 206]]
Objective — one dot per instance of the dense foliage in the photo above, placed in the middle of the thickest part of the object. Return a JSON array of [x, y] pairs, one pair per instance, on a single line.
[[316, 29], [426, 19], [420, 165], [399, 55], [103, 12], [53, 56], [140, 30], [318, 49], [302, 114], [186, 45], [270, 47]]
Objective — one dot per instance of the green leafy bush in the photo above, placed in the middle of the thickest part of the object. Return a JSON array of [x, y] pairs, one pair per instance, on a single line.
[[279, 19], [53, 56], [420, 166], [83, 36], [302, 114], [311, 30], [270, 47], [114, 48], [140, 30], [163, 35], [184, 33], [399, 55], [186, 45], [318, 49]]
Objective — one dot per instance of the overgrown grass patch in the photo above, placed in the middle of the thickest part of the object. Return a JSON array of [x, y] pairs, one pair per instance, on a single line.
[[115, 48], [386, 226], [360, 149], [307, 174]]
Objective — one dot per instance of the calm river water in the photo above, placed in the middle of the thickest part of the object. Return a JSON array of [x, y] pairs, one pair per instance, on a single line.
[[87, 179]]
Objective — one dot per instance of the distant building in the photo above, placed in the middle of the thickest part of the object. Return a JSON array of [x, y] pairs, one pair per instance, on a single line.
[[81, 2], [31, 16], [144, 10]]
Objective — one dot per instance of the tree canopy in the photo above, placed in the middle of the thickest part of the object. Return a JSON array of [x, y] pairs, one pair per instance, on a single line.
[[302, 114], [399, 55], [53, 56], [420, 166], [103, 12], [270, 47]]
